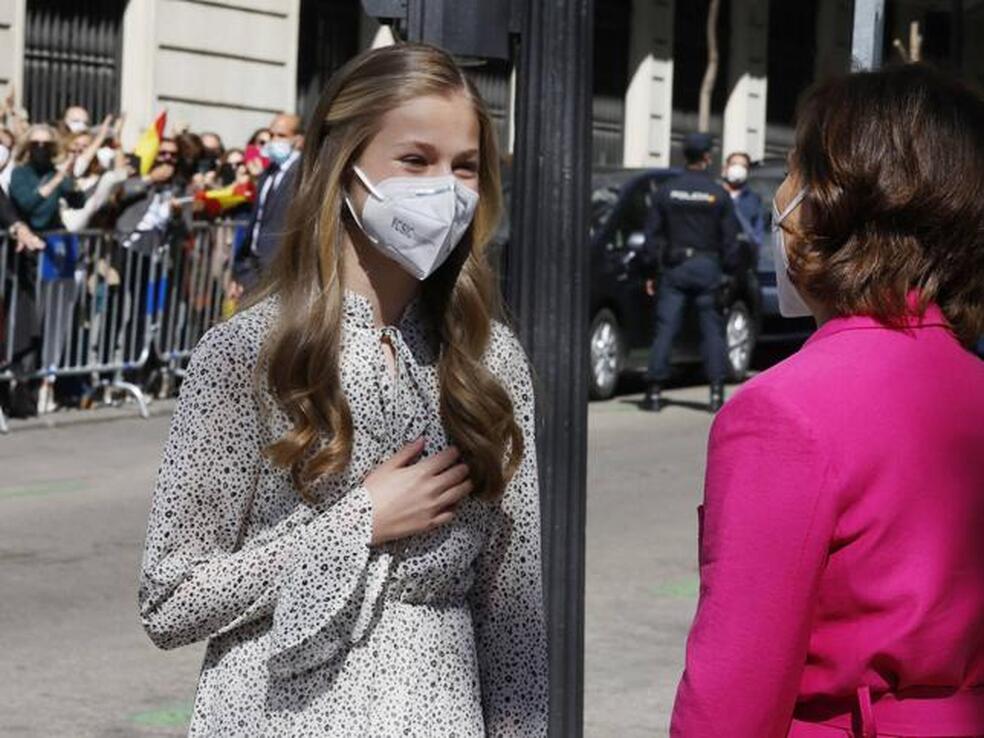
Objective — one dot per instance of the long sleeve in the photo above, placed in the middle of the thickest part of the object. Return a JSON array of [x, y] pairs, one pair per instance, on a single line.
[[8, 214], [132, 189], [41, 212], [767, 525], [655, 233], [751, 217], [729, 227], [758, 222], [198, 578], [24, 192], [507, 597], [243, 265]]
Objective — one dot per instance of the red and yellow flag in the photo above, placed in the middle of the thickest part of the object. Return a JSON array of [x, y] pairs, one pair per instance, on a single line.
[[149, 142], [218, 201]]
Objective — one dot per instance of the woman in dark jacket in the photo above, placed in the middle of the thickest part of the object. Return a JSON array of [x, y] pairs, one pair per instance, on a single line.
[[37, 186]]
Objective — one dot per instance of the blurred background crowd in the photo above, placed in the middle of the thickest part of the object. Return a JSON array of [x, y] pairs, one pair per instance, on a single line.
[[70, 178], [74, 173]]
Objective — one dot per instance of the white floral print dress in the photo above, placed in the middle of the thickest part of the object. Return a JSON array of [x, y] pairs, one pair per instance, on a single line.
[[312, 632]]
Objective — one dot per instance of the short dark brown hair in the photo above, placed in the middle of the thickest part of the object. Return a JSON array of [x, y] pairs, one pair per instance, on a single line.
[[893, 162]]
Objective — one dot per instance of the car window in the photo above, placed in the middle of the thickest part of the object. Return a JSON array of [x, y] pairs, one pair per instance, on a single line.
[[634, 212], [603, 202]]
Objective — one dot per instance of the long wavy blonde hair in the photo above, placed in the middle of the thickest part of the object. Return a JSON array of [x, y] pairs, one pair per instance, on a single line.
[[461, 298]]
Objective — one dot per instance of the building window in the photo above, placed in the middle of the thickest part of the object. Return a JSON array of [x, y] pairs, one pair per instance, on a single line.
[[611, 79], [329, 37], [72, 57]]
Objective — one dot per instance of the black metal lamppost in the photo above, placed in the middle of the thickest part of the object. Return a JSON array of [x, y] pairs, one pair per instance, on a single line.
[[546, 269]]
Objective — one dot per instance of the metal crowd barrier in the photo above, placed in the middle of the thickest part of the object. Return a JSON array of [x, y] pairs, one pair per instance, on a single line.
[[88, 307], [195, 298]]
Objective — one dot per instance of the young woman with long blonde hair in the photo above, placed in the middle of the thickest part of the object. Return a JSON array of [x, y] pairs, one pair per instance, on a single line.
[[348, 506]]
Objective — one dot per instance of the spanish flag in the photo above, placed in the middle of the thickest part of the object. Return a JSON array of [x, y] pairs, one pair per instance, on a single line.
[[149, 142], [218, 201]]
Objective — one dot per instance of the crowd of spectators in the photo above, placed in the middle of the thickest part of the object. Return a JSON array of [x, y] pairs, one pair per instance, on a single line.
[[74, 176]]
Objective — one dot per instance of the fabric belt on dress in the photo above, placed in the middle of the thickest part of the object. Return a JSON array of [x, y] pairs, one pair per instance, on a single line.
[[919, 712]]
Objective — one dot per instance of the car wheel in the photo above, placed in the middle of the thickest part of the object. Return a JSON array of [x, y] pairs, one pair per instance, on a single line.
[[606, 355], [740, 334]]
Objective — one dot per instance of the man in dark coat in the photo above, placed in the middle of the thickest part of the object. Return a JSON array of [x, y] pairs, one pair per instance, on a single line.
[[267, 219], [20, 339]]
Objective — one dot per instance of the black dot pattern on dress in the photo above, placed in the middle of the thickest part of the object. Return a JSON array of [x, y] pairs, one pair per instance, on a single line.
[[311, 631]]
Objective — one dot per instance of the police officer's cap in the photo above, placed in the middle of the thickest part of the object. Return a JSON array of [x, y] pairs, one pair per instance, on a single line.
[[697, 143]]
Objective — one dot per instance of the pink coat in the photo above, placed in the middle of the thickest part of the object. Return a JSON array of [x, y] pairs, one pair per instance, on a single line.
[[842, 544]]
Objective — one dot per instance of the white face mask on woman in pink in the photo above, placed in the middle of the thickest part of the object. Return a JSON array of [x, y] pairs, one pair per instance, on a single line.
[[791, 303]]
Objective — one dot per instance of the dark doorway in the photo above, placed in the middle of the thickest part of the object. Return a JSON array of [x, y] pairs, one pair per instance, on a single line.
[[792, 54], [690, 55], [329, 37], [612, 20], [72, 57]]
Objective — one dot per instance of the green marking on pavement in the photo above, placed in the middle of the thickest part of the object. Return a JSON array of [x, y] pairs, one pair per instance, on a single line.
[[169, 717], [687, 588], [56, 486]]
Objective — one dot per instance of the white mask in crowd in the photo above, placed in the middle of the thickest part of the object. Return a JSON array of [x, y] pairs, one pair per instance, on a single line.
[[791, 304], [76, 125], [736, 174], [415, 221], [278, 151], [4, 155], [106, 156]]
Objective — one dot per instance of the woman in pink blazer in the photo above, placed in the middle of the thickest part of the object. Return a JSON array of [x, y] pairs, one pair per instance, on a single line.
[[842, 530]]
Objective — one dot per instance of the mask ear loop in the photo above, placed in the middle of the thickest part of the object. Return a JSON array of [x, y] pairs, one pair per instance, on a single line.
[[778, 218], [794, 203], [357, 219], [370, 188], [348, 202]]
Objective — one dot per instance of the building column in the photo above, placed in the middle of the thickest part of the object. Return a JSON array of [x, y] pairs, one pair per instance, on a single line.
[[292, 51], [835, 23], [137, 89], [13, 31], [649, 97], [745, 111]]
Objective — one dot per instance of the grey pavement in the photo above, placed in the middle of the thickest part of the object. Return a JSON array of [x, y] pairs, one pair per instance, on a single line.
[[73, 505]]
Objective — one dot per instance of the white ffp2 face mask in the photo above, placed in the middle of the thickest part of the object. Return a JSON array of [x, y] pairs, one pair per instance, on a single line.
[[415, 221], [106, 156], [736, 174], [791, 304]]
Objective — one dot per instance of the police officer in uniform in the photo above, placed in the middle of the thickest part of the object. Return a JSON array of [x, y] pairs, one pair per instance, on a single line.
[[691, 234]]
